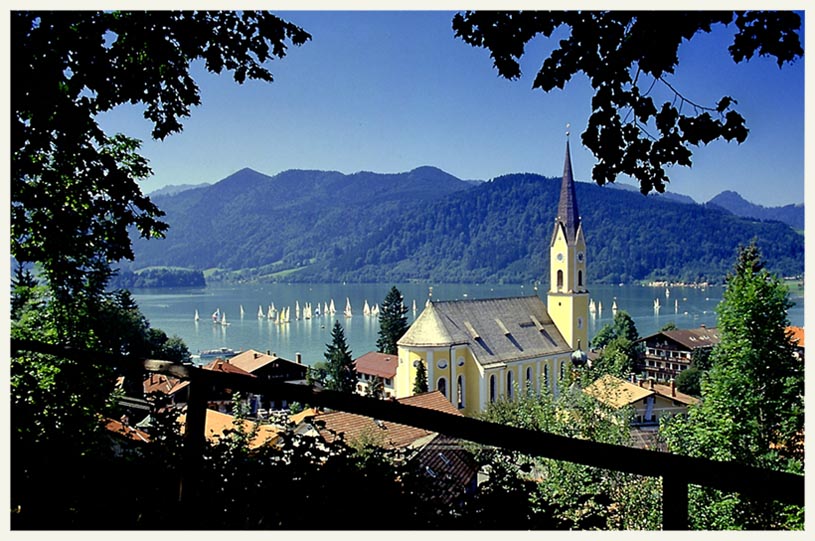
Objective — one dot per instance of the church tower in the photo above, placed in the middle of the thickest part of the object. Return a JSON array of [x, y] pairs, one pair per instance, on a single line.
[[568, 298]]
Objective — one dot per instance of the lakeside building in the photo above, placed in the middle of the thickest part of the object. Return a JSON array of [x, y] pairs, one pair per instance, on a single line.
[[375, 365], [478, 351], [667, 353]]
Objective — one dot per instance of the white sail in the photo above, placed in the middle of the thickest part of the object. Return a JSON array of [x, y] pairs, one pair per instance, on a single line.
[[317, 310], [223, 320], [414, 306], [656, 305], [347, 311], [260, 312], [600, 307], [614, 307], [325, 308], [331, 308], [307, 311], [592, 307], [375, 310], [676, 306], [366, 309], [196, 315], [667, 293], [241, 311], [296, 309], [215, 315]]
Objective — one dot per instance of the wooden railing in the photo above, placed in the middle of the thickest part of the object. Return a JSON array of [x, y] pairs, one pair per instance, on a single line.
[[677, 472]]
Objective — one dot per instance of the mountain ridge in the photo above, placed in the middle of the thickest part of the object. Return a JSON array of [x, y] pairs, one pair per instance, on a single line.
[[425, 224]]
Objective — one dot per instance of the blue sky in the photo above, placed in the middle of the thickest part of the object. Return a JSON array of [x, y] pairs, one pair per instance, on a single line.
[[391, 91]]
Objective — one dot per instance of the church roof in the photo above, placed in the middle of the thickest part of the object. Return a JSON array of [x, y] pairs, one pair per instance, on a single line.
[[567, 213], [496, 330]]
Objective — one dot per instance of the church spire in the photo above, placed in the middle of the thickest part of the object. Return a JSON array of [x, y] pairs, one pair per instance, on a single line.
[[567, 206]]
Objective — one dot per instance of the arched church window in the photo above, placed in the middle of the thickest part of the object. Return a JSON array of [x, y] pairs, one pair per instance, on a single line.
[[559, 280], [528, 378], [546, 375], [460, 392], [492, 388], [509, 384], [442, 386]]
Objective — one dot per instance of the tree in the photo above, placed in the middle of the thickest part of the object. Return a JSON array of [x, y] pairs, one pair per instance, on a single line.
[[65, 170], [622, 326], [392, 322], [751, 408], [560, 494], [624, 55], [340, 372], [420, 381], [376, 388]]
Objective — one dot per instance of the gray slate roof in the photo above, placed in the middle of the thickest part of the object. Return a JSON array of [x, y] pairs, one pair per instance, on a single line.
[[497, 330]]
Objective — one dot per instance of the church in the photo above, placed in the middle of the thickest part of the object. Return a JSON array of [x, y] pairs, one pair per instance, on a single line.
[[481, 350]]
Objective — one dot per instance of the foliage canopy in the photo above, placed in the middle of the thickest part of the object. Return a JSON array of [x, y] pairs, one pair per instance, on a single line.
[[624, 55]]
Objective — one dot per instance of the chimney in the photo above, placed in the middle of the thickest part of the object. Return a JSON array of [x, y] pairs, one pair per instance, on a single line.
[[268, 352], [673, 387], [256, 355], [298, 358], [639, 380], [703, 326]]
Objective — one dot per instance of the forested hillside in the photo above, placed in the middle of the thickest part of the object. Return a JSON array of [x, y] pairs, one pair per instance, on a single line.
[[792, 215], [427, 225]]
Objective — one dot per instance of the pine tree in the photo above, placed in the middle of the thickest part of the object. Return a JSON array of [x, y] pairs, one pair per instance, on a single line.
[[340, 372], [752, 407], [392, 322], [420, 383]]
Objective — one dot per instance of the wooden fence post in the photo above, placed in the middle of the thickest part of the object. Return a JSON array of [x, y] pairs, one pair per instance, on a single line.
[[194, 440], [674, 503]]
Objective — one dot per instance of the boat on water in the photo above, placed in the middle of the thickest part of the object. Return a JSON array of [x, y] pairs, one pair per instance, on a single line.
[[223, 320], [241, 311], [414, 306], [347, 310], [331, 308], [366, 309], [196, 315], [260, 312], [222, 352], [656, 305], [375, 310]]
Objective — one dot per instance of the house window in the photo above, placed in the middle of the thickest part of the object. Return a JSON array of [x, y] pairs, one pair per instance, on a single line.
[[460, 392], [441, 385], [388, 381], [509, 384], [492, 388], [528, 378], [559, 280]]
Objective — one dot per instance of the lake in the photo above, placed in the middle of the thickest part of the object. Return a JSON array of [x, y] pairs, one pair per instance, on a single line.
[[173, 310]]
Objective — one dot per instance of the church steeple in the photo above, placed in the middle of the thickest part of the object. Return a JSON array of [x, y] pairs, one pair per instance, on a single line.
[[567, 206], [568, 298]]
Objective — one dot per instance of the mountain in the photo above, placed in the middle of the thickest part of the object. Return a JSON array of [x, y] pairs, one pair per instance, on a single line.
[[678, 197], [792, 215], [173, 189], [271, 224], [428, 225]]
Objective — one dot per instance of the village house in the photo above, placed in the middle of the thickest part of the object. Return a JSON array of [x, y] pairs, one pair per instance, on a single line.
[[667, 353], [649, 400], [797, 337], [477, 351], [442, 460], [375, 365]]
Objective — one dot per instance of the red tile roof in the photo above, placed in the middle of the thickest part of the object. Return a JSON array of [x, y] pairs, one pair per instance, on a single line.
[[218, 423], [119, 428], [377, 364], [159, 383], [797, 335], [384, 433], [227, 367]]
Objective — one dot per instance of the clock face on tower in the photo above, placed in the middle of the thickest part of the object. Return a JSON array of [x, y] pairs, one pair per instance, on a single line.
[[580, 256], [560, 257]]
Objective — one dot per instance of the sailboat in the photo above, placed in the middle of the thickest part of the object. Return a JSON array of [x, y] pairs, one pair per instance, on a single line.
[[667, 293], [366, 309], [375, 310], [317, 310], [296, 309], [414, 306], [656, 305], [216, 315], [592, 307], [676, 306], [331, 308], [196, 315], [347, 311], [614, 307], [600, 308], [260, 312], [307, 311], [223, 320], [325, 308]]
